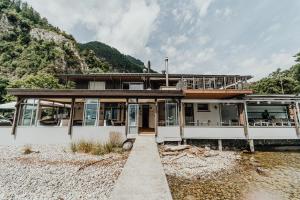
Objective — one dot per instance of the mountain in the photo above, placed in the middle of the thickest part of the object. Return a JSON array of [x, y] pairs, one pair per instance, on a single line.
[[32, 51], [119, 61]]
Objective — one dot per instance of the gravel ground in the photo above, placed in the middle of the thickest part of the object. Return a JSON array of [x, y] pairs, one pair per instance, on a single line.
[[197, 163], [53, 173]]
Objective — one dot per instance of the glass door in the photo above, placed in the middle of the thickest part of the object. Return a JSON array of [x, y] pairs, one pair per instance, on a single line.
[[133, 110]]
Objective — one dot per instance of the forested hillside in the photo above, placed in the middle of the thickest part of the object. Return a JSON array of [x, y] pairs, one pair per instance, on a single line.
[[119, 61], [32, 51], [280, 82]]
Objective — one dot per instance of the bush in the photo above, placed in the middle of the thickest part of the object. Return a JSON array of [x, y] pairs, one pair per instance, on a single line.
[[27, 150], [113, 145]]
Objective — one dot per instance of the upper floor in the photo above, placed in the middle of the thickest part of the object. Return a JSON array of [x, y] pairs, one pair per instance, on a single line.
[[155, 81]]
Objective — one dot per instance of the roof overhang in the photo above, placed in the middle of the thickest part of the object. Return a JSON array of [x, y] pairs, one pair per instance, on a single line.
[[83, 93], [215, 93]]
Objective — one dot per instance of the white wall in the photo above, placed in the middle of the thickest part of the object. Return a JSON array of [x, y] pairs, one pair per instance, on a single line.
[[42, 135], [272, 133], [168, 133], [58, 135], [6, 138], [213, 115], [97, 134], [213, 133]]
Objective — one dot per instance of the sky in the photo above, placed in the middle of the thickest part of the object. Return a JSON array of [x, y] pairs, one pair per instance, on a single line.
[[198, 36]]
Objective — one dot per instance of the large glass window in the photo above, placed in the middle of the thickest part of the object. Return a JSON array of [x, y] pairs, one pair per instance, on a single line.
[[91, 112], [28, 113], [171, 114]]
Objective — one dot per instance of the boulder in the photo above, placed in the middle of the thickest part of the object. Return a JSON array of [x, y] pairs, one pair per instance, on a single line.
[[127, 145]]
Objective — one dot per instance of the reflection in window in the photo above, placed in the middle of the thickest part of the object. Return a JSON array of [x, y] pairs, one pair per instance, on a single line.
[[91, 110]]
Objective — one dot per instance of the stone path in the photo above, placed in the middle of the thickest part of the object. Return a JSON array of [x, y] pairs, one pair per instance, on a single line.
[[143, 177]]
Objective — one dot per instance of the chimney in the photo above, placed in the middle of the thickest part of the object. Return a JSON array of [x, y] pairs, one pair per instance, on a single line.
[[149, 66], [167, 71]]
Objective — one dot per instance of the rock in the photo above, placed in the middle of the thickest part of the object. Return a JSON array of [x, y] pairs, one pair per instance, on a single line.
[[177, 148], [261, 171], [210, 154], [207, 148], [127, 146], [169, 153]]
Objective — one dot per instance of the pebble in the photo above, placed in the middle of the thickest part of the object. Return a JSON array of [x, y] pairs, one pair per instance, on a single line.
[[53, 174]]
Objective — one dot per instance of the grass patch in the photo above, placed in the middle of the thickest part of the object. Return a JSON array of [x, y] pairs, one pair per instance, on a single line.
[[113, 145], [27, 150]]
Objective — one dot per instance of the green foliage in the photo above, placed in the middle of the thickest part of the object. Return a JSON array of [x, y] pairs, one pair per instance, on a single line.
[[38, 81], [280, 82], [3, 85], [32, 63]]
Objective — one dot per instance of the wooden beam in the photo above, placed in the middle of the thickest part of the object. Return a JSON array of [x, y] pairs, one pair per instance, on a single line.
[[71, 117]]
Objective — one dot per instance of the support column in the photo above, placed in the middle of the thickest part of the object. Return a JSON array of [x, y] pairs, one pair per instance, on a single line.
[[296, 119], [126, 118], [156, 117], [16, 116], [246, 129], [70, 128], [181, 124], [251, 143], [220, 146]]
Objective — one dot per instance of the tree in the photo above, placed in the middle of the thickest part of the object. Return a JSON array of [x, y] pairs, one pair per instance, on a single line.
[[41, 80], [3, 85]]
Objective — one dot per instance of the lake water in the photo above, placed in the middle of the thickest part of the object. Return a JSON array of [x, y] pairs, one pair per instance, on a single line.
[[259, 176]]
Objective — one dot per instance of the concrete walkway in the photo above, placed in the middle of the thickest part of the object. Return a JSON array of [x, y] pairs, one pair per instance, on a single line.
[[143, 176]]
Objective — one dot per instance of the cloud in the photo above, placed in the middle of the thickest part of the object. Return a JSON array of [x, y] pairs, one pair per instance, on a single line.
[[226, 12], [203, 39], [267, 65], [124, 25], [202, 6]]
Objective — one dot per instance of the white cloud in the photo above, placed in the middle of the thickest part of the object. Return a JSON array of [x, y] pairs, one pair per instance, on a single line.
[[124, 25], [202, 6], [265, 66], [204, 39], [226, 12]]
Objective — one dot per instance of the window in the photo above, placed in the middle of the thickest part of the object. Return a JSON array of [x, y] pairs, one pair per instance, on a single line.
[[97, 85], [91, 111], [171, 114], [202, 107], [28, 113], [133, 86]]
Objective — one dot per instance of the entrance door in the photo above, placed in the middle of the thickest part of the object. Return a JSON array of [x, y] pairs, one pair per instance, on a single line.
[[145, 110], [133, 110]]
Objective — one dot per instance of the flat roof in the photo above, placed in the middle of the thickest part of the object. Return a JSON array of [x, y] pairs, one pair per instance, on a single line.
[[84, 93], [153, 75]]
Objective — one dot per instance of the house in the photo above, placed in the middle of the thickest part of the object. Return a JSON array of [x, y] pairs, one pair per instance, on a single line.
[[174, 107]]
